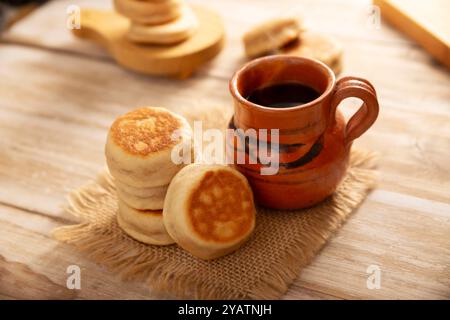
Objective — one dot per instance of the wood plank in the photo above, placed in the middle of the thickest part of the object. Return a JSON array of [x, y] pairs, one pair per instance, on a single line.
[[425, 22]]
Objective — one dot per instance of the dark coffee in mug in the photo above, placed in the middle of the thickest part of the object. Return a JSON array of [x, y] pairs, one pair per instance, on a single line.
[[283, 95]]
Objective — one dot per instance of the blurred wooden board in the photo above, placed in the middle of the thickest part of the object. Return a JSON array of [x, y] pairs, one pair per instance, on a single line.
[[426, 22], [53, 128], [108, 29]]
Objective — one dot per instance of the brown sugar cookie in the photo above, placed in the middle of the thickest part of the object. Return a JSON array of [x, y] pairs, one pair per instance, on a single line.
[[271, 36], [209, 210], [319, 46], [149, 12]]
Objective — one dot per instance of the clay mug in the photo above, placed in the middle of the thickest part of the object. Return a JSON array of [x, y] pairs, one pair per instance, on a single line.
[[314, 138]]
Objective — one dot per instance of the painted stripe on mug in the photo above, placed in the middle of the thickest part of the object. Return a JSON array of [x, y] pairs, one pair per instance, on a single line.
[[309, 156]]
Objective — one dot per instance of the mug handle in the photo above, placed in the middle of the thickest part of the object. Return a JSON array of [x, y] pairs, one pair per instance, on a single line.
[[366, 115]]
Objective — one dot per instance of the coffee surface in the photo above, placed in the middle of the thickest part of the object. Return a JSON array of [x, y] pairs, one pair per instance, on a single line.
[[283, 95]]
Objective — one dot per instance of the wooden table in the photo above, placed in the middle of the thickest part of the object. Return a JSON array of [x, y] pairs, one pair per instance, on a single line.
[[58, 95]]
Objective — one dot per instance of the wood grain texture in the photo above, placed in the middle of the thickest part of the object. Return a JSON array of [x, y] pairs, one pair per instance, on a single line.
[[58, 95], [18, 281]]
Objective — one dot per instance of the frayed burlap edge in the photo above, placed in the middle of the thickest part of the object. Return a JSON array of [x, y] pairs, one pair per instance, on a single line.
[[134, 263]]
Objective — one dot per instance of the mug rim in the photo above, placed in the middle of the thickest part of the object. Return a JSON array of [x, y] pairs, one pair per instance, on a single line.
[[236, 94]]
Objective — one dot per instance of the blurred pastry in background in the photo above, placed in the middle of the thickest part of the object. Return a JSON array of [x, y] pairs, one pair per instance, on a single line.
[[157, 37], [168, 33], [322, 47], [288, 36], [270, 36]]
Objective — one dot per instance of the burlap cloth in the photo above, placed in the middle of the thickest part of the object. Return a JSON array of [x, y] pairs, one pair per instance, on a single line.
[[283, 242]]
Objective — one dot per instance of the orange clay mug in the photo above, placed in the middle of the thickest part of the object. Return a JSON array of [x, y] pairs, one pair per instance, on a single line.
[[314, 138]]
